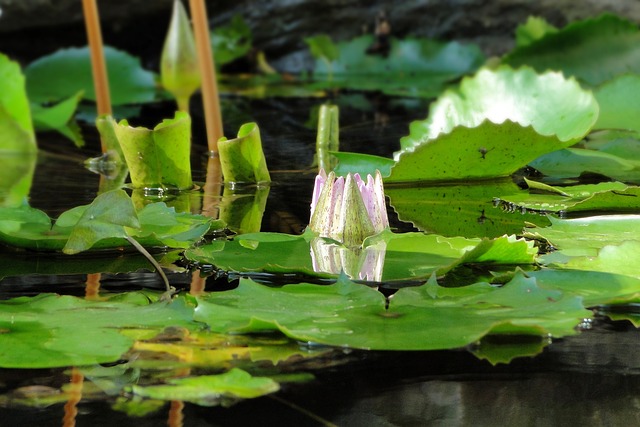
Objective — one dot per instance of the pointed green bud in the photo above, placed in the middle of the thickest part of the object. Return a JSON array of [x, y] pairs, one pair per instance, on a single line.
[[179, 71]]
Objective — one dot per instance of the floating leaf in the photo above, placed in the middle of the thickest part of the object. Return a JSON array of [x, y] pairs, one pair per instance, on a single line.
[[585, 236], [66, 72], [593, 50], [489, 150], [596, 288], [55, 331], [619, 101], [30, 228], [351, 315], [414, 67], [210, 390], [606, 196], [573, 162], [106, 217]]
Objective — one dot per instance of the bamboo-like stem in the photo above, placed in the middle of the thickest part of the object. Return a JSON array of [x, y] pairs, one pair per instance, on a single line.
[[210, 99], [98, 64]]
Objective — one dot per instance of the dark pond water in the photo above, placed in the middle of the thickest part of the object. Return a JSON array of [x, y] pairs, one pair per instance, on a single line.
[[589, 379]]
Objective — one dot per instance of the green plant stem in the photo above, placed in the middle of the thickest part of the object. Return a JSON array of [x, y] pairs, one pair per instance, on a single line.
[[170, 290]]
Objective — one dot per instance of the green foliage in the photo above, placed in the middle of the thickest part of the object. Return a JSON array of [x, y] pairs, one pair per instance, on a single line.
[[66, 72], [535, 28], [15, 115], [322, 47], [59, 117], [209, 390], [242, 158], [232, 41], [594, 50], [54, 331], [619, 101], [157, 158], [603, 197], [102, 225], [498, 121], [430, 208], [420, 318], [414, 67]]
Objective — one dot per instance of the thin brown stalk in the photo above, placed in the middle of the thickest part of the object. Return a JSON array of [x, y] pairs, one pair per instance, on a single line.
[[210, 99], [98, 64]]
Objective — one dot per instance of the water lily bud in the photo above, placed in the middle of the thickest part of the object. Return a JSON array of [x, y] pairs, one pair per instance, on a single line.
[[179, 72], [348, 209]]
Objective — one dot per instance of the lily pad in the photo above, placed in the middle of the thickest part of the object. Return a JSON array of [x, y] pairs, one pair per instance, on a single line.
[[66, 72], [619, 101], [573, 162], [101, 225], [594, 50], [606, 196], [550, 103], [209, 390], [413, 67], [498, 121], [54, 331], [351, 315]]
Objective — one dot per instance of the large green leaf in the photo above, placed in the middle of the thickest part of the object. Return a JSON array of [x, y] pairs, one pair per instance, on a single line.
[[593, 50], [13, 99], [489, 150], [619, 101], [493, 124], [413, 67], [54, 331], [209, 390], [408, 256], [423, 318], [68, 71], [550, 103]]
